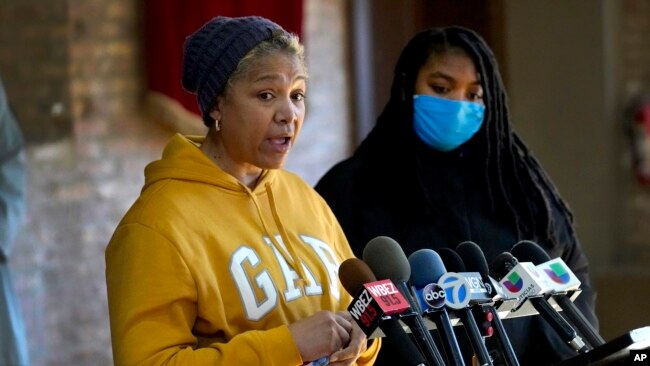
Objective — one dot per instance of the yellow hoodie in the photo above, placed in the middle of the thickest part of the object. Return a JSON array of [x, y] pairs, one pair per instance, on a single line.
[[204, 271]]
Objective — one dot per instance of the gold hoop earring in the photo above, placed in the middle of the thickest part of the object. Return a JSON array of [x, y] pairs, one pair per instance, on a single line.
[[217, 125]]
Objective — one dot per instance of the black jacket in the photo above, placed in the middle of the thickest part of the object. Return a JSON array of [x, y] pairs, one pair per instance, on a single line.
[[437, 200]]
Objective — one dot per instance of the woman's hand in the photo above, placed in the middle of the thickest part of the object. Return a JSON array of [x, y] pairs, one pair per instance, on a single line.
[[327, 334], [357, 345]]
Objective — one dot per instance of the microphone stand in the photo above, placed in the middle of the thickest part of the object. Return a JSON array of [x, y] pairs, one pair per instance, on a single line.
[[419, 329], [579, 321], [504, 344]]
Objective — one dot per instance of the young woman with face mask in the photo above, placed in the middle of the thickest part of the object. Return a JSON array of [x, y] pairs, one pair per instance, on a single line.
[[443, 166]]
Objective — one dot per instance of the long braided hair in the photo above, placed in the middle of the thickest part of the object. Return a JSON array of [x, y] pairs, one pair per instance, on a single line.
[[514, 178]]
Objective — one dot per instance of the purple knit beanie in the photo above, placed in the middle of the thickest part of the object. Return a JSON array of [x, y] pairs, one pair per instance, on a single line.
[[211, 55]]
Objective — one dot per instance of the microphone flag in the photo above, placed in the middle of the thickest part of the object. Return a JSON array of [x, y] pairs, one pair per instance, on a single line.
[[374, 301]]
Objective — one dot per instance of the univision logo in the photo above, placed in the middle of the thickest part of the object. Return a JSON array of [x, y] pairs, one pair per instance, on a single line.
[[456, 290], [514, 283], [558, 274]]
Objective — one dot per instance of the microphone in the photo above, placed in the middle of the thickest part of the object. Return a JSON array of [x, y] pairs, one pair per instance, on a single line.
[[474, 259], [472, 256], [521, 279], [386, 259], [354, 273], [561, 279], [462, 291], [432, 298]]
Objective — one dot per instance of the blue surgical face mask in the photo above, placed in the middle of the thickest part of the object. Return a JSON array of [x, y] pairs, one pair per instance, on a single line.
[[445, 124]]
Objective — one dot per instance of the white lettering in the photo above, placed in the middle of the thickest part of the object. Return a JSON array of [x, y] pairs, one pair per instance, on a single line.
[[254, 309], [259, 295], [382, 289], [291, 291], [360, 305], [376, 290], [330, 261], [527, 291], [474, 282], [434, 295], [390, 287]]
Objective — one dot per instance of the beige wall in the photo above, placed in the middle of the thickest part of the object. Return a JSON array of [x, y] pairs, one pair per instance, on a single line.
[[324, 139], [557, 99], [565, 87]]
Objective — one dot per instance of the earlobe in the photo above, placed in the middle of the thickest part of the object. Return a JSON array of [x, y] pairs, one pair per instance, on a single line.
[[214, 113]]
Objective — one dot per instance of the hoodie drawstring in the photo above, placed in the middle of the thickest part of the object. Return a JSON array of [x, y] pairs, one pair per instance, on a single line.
[[291, 257]]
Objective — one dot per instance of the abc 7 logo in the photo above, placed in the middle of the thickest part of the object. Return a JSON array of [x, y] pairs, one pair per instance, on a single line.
[[456, 289]]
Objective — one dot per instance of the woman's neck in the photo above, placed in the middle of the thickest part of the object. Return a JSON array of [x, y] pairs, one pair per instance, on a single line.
[[245, 173]]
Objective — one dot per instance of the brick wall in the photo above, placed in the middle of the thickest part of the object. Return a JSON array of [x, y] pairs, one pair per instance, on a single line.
[[75, 82], [635, 38], [105, 52], [34, 61]]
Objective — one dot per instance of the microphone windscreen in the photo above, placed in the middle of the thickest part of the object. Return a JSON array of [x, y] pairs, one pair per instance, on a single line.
[[353, 273], [387, 260], [529, 251], [502, 264], [473, 257], [428, 267], [452, 260]]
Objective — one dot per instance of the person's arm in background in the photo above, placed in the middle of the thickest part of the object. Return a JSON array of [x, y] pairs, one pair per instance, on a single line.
[[12, 176], [570, 250]]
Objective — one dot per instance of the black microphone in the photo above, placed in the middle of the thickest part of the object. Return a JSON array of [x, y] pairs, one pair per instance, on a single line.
[[386, 259], [474, 260], [455, 264], [354, 273], [506, 268], [426, 269], [559, 276]]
